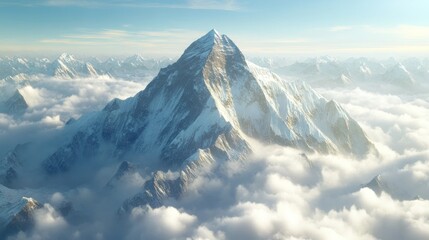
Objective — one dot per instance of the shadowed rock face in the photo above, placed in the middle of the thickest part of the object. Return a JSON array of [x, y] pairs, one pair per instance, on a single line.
[[9, 178], [10, 166], [125, 169], [15, 105], [201, 110], [15, 217], [382, 184], [377, 185]]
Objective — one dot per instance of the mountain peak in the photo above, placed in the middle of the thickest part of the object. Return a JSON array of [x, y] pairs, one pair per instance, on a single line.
[[378, 185], [135, 58], [66, 57], [212, 42], [203, 46], [214, 32], [16, 104]]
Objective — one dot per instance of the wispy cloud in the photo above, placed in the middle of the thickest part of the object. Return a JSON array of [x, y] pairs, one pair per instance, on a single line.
[[340, 28], [167, 42], [120, 35], [67, 41], [105, 34], [402, 31], [411, 32]]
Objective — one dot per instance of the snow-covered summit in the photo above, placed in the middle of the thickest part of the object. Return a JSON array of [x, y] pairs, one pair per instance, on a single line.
[[202, 47], [65, 57], [399, 75], [66, 66], [137, 58]]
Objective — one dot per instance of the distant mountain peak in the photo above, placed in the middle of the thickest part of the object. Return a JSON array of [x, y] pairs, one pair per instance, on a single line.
[[67, 67], [16, 104], [378, 185], [66, 57], [135, 58], [399, 75]]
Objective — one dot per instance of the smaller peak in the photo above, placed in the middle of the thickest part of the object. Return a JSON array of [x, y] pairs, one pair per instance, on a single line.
[[18, 95], [325, 59], [377, 178], [135, 58], [378, 185], [111, 59], [66, 57], [64, 54], [22, 61], [17, 92]]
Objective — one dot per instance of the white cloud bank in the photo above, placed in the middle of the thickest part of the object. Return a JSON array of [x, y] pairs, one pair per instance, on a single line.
[[280, 193], [52, 102]]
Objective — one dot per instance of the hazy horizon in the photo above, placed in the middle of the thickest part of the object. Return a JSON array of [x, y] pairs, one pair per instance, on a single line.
[[288, 57]]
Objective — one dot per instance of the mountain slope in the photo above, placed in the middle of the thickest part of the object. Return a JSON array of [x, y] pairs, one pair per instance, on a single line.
[[202, 110]]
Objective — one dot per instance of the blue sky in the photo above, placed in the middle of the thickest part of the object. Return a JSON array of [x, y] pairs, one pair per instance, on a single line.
[[264, 28]]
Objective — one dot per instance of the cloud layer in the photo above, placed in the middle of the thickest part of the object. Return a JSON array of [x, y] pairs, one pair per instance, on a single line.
[[279, 193], [52, 102]]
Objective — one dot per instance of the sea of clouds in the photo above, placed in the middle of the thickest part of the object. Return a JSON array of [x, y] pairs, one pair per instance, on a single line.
[[279, 193], [52, 102]]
